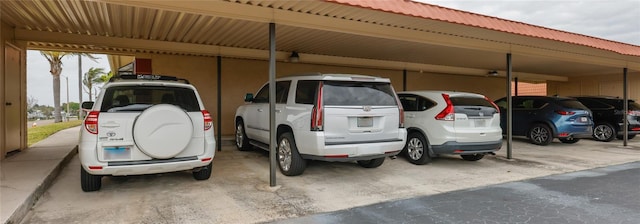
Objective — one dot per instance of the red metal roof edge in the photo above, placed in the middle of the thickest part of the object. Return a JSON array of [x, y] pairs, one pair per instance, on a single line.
[[419, 9]]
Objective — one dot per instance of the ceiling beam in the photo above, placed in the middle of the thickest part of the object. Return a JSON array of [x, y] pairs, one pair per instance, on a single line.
[[91, 43]]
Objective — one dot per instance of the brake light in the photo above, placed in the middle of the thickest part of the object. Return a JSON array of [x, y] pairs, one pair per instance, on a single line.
[[494, 104], [91, 122], [633, 113], [208, 121], [316, 114], [400, 110], [447, 114], [563, 112]]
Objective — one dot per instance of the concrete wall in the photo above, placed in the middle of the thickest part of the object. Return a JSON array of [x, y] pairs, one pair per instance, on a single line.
[[241, 76], [609, 85]]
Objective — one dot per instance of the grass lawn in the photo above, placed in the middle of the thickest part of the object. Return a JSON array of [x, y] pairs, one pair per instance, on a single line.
[[35, 134]]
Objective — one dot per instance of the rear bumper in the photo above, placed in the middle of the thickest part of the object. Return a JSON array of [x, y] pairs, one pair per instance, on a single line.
[[315, 148], [145, 167], [462, 148], [575, 131]]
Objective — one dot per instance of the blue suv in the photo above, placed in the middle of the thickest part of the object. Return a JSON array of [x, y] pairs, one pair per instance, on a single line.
[[542, 118]]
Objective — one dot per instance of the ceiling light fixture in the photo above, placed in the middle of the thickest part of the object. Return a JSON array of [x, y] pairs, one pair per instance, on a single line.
[[492, 73], [294, 57]]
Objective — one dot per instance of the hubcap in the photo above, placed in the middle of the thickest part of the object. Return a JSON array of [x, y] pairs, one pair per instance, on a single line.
[[602, 132], [415, 149], [239, 136], [539, 134], [284, 154]]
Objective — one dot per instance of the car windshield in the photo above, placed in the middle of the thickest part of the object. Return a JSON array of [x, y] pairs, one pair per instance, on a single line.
[[339, 93], [139, 98]]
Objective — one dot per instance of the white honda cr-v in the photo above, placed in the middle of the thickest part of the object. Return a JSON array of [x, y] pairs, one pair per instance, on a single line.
[[143, 124], [329, 117], [442, 122]]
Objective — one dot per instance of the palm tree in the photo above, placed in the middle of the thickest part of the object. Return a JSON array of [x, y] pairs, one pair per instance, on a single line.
[[92, 77], [55, 61]]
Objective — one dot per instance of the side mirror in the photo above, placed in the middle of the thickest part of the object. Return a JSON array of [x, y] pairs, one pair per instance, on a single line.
[[87, 105], [248, 97]]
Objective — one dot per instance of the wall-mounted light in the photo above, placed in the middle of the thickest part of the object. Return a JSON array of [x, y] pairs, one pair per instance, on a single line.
[[492, 73], [294, 57]]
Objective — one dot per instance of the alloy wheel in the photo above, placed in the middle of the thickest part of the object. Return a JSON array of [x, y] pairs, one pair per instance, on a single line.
[[539, 134], [284, 154], [602, 132], [239, 136], [415, 149]]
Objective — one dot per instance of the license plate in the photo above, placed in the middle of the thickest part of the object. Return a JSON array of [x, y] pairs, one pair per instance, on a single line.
[[117, 152], [479, 122], [365, 122], [584, 119]]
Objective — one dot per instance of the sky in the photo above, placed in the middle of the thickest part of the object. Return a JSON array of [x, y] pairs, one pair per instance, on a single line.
[[617, 20]]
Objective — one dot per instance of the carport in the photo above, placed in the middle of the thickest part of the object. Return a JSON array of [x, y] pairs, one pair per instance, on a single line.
[[225, 44]]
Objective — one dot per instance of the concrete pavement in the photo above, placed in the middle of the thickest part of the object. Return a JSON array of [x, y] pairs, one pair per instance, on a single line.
[[238, 191]]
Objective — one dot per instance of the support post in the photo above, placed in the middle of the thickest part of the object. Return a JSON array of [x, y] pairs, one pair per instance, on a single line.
[[509, 109], [272, 105], [404, 80], [515, 83], [625, 96], [219, 126]]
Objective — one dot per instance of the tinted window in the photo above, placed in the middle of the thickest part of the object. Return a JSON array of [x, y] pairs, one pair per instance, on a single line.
[[574, 104], [424, 104], [358, 94], [633, 105], [409, 102], [306, 91], [282, 90], [470, 101], [594, 104], [139, 98]]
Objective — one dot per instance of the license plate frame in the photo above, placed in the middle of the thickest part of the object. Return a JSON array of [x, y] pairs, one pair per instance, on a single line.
[[117, 152], [365, 122]]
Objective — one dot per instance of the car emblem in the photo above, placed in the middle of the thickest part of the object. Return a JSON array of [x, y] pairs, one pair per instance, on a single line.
[[481, 114], [111, 134], [366, 108]]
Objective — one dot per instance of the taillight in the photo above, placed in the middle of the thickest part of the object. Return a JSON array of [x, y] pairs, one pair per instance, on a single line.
[[91, 122], [633, 113], [563, 112], [316, 113], [208, 121], [400, 110], [494, 104], [447, 114]]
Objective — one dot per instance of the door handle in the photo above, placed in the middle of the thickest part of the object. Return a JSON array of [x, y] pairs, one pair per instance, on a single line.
[[8, 103], [278, 111], [260, 110], [411, 115]]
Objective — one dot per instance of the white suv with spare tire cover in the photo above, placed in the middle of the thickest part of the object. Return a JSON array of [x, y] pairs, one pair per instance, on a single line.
[[328, 117], [144, 124]]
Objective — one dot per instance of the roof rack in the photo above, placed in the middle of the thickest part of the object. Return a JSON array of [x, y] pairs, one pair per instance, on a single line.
[[147, 77]]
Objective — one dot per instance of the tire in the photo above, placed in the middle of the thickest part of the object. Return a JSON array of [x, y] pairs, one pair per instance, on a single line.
[[472, 157], [540, 134], [631, 136], [89, 182], [569, 140], [373, 163], [289, 159], [604, 132], [242, 142], [417, 149], [204, 173]]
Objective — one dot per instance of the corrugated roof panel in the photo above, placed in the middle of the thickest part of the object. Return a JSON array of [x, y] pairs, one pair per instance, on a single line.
[[434, 12]]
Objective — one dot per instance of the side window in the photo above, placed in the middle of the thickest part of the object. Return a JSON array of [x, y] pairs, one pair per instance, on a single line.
[[425, 104], [409, 102], [282, 90], [595, 104], [263, 95], [537, 104], [306, 91]]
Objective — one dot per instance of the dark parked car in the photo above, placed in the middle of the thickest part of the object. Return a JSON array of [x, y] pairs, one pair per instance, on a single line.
[[542, 118], [608, 113]]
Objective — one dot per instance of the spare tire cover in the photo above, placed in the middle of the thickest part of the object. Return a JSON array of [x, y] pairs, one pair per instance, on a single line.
[[162, 131]]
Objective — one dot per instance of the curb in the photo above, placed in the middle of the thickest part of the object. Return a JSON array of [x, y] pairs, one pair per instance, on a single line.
[[31, 200]]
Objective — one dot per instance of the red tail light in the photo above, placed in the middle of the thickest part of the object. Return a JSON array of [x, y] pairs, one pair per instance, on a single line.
[[91, 122], [562, 112], [447, 113], [208, 121], [494, 104], [400, 110], [316, 114]]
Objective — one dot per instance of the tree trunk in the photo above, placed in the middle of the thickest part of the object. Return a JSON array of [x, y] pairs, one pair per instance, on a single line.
[[56, 99]]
